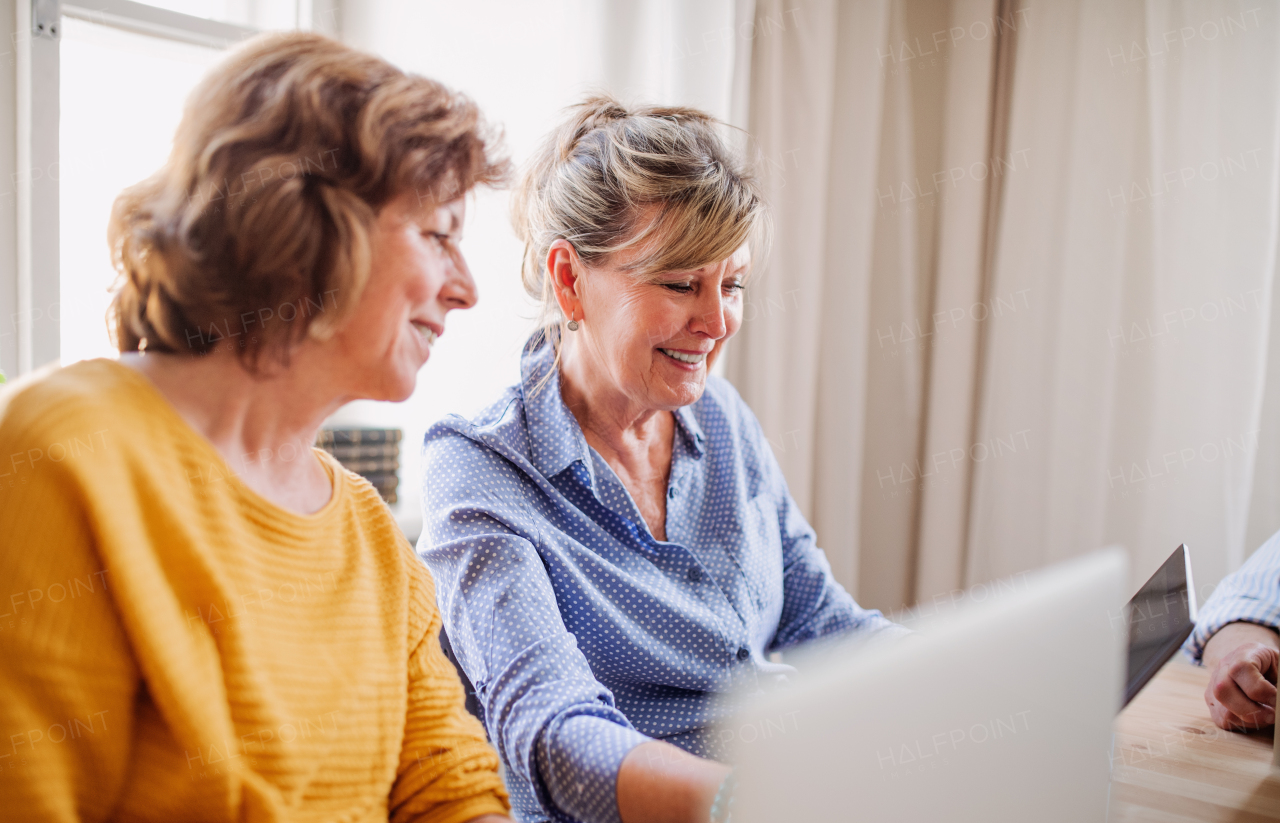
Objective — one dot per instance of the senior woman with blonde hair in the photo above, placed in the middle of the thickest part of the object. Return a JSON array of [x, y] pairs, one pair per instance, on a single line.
[[216, 621], [614, 541]]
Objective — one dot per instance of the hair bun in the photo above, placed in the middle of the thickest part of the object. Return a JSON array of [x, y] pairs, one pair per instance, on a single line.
[[603, 110], [595, 112]]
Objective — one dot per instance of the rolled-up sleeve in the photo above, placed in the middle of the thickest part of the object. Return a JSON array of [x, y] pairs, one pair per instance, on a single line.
[[552, 722], [1251, 594]]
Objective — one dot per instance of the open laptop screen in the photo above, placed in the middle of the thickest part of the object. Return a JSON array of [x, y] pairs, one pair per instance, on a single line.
[[1160, 617]]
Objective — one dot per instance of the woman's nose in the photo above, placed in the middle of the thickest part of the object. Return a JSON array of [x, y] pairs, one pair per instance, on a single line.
[[459, 290], [710, 319]]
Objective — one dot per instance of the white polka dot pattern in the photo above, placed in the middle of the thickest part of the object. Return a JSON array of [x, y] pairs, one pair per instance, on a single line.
[[583, 634]]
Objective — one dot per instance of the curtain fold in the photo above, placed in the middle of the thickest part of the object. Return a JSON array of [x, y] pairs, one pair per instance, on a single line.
[[974, 129], [846, 250], [1143, 381], [1020, 298], [662, 51], [793, 65]]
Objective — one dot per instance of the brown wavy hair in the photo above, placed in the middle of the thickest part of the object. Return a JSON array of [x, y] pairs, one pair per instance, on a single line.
[[256, 229]]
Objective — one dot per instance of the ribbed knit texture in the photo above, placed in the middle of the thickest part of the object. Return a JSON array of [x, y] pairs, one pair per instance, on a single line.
[[175, 647]]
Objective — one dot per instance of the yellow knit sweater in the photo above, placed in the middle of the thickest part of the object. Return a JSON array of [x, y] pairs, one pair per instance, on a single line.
[[175, 647]]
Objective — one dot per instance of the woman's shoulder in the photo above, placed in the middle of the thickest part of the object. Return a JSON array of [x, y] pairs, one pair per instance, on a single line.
[[88, 400], [406, 579], [722, 394], [498, 428], [721, 404], [479, 457]]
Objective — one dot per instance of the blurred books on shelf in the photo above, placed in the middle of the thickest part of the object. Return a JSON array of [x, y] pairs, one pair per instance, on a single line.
[[358, 437], [379, 451], [374, 454], [367, 467]]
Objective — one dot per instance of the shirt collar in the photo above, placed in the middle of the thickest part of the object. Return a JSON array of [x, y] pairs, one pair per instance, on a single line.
[[549, 419], [688, 423], [555, 438]]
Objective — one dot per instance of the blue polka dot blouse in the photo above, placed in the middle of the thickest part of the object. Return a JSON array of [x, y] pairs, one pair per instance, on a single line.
[[584, 635]]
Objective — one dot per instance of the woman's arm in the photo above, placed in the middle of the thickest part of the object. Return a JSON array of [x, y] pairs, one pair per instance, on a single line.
[[1235, 638], [68, 681], [446, 766], [556, 727], [1250, 594], [660, 783], [814, 604]]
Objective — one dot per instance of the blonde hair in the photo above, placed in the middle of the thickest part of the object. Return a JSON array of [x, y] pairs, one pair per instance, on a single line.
[[609, 178], [256, 229]]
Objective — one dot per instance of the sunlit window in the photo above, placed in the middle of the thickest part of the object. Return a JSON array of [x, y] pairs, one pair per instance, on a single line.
[[121, 99]]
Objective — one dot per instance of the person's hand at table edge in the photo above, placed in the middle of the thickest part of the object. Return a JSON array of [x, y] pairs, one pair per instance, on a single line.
[[660, 783], [1242, 659]]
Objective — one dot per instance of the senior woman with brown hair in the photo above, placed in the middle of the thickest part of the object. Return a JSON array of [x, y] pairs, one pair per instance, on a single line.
[[614, 541], [211, 620]]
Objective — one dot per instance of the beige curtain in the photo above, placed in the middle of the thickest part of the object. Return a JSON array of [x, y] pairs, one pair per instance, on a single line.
[[1019, 302]]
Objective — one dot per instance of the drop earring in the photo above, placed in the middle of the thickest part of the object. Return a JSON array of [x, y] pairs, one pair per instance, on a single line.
[[572, 325]]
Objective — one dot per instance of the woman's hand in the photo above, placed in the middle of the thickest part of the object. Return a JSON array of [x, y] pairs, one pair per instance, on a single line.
[[1243, 659], [660, 783]]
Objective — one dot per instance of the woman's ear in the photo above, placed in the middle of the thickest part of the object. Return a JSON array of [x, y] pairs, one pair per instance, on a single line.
[[565, 270]]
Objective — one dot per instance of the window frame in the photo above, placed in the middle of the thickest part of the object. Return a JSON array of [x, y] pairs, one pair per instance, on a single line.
[[157, 22]]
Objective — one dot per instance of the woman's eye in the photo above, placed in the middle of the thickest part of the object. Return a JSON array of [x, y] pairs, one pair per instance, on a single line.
[[682, 288], [736, 285]]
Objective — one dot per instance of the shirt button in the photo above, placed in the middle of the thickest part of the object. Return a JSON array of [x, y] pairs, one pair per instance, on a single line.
[[695, 574], [744, 653], [671, 493]]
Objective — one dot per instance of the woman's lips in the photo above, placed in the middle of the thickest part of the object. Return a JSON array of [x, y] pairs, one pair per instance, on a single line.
[[686, 358]]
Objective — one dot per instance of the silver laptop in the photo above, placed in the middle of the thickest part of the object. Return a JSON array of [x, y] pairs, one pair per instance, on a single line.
[[999, 712]]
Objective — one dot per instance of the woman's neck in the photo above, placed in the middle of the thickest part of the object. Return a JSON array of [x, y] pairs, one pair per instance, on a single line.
[[263, 427], [633, 439], [605, 414]]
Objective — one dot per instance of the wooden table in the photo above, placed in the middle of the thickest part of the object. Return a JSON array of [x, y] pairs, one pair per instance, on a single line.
[[1171, 764]]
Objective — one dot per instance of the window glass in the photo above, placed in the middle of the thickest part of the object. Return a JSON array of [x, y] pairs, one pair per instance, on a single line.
[[121, 99]]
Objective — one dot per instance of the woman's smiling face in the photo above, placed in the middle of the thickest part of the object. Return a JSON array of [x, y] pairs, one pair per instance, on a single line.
[[651, 339], [417, 276]]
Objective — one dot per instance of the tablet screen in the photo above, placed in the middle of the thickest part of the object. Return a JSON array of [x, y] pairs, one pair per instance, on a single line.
[[1160, 617]]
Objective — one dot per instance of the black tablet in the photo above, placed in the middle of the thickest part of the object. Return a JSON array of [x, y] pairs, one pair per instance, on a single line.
[[1160, 617]]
